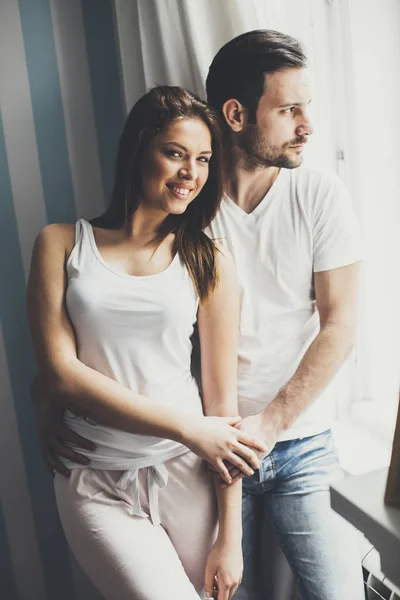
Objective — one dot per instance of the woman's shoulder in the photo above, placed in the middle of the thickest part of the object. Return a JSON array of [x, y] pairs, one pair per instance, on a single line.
[[56, 236], [224, 257]]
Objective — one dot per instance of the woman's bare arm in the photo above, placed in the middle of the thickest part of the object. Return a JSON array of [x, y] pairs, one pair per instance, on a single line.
[[72, 384], [218, 322]]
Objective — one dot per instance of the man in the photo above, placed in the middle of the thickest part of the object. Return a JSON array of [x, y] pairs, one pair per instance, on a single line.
[[296, 246]]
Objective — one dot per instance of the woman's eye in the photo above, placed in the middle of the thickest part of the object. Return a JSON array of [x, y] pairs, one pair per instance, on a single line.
[[173, 153], [204, 159]]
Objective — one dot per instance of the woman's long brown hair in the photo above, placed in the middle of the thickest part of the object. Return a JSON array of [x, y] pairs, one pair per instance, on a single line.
[[153, 113]]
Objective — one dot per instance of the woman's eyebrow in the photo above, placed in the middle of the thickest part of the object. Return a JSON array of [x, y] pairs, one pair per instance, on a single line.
[[185, 149]]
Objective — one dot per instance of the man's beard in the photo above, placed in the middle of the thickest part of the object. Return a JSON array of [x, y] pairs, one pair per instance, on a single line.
[[254, 152]]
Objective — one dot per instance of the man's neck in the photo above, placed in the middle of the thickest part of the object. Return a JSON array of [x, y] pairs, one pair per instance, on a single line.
[[248, 188]]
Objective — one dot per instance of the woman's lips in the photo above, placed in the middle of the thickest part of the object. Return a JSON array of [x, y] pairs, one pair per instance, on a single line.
[[179, 191]]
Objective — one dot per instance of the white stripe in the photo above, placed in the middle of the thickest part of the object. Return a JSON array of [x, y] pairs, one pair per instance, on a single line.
[[77, 102], [19, 132], [15, 497], [130, 51]]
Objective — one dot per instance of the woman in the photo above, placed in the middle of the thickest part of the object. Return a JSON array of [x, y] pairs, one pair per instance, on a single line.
[[111, 306]]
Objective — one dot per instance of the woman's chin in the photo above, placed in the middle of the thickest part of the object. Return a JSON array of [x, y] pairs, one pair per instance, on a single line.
[[177, 209]]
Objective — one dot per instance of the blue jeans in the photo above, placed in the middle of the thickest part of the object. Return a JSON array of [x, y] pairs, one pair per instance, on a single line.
[[291, 490]]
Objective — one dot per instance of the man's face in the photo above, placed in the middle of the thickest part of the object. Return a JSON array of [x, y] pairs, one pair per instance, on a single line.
[[282, 124]]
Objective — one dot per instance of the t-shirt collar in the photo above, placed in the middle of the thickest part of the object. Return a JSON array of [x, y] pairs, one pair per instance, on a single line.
[[265, 202]]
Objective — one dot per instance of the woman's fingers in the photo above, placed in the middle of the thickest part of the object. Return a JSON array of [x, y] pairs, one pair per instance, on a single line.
[[226, 589], [209, 584], [249, 456], [233, 591], [249, 440], [232, 420], [240, 464], [223, 471]]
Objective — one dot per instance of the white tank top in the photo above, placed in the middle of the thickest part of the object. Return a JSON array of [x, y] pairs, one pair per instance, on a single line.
[[136, 330]]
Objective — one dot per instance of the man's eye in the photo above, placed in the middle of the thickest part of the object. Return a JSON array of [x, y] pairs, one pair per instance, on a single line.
[[289, 110]]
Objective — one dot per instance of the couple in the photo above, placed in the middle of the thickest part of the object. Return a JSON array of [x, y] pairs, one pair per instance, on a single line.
[[213, 222]]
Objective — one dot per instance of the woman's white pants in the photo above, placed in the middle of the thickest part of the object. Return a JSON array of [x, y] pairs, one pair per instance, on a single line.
[[128, 557]]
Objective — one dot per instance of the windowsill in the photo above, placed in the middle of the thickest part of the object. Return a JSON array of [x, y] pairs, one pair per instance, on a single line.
[[360, 500], [360, 451]]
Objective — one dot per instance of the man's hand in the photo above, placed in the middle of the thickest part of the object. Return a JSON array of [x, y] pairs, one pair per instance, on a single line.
[[262, 426], [55, 437]]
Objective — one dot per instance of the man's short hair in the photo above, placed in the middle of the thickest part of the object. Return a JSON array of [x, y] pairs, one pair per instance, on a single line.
[[238, 68]]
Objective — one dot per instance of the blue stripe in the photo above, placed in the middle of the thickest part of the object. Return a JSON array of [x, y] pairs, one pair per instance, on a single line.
[[8, 588], [21, 366], [106, 87], [47, 110]]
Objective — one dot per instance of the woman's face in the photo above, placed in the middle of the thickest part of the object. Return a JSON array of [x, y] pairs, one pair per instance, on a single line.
[[175, 166]]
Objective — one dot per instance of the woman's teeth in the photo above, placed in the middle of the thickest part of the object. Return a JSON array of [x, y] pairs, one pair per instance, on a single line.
[[183, 191]]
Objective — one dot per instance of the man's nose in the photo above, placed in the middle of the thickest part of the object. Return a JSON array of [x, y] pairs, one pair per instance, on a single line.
[[305, 126]]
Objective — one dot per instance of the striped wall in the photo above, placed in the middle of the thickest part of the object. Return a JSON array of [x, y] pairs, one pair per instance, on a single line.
[[61, 113]]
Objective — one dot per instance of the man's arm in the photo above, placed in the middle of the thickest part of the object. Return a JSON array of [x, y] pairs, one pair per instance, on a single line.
[[54, 436], [336, 298]]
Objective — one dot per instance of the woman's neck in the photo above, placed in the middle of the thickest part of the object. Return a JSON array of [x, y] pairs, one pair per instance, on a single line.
[[144, 225]]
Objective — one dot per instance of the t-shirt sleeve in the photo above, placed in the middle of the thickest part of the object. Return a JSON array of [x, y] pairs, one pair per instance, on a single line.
[[337, 238]]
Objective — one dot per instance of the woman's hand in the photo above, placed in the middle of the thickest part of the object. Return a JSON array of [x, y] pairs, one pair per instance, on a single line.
[[224, 569], [216, 439]]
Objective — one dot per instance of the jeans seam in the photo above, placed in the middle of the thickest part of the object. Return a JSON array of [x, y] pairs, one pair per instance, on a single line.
[[273, 465]]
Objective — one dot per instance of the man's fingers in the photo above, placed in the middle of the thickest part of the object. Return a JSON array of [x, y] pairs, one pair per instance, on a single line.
[[239, 476], [229, 466], [212, 467], [233, 472], [55, 464], [66, 452], [70, 436], [49, 465]]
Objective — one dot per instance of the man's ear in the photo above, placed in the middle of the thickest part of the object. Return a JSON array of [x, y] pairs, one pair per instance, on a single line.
[[235, 114]]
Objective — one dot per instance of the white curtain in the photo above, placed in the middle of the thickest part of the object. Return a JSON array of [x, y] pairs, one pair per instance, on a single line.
[[174, 41], [374, 64], [355, 65]]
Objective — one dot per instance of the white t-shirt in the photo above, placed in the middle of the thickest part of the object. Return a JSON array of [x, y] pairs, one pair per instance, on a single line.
[[305, 224]]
